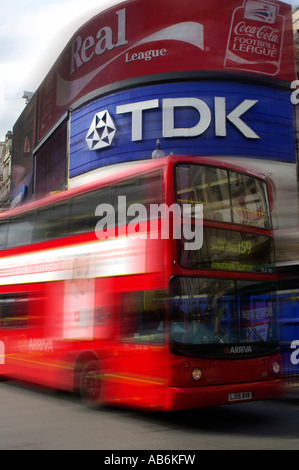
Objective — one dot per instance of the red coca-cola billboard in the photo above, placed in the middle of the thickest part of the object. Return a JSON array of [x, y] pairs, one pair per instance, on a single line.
[[139, 41]]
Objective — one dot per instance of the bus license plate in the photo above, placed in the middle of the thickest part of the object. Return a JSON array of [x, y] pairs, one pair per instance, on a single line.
[[239, 396]]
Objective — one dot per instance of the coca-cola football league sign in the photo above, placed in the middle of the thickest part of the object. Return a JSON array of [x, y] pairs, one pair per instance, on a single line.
[[256, 38]]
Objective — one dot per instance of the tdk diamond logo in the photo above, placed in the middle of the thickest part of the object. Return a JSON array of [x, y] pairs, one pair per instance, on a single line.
[[101, 131]]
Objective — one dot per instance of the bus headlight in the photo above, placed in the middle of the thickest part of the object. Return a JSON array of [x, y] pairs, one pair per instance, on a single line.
[[276, 367], [196, 373]]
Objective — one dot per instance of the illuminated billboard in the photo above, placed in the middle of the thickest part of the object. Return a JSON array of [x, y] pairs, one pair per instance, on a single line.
[[141, 41], [193, 118]]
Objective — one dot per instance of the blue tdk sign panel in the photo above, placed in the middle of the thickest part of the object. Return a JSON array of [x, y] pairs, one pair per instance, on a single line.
[[191, 118]]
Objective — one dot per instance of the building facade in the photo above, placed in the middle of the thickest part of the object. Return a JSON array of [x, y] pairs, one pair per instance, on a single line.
[[6, 154]]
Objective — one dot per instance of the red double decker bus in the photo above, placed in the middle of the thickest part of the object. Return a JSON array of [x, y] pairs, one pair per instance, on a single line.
[[96, 297]]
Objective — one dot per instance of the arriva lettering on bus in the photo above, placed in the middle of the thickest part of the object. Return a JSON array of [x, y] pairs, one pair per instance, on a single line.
[[240, 349], [40, 344]]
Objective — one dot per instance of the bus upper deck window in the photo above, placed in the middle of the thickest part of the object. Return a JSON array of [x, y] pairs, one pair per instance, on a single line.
[[249, 200], [197, 184]]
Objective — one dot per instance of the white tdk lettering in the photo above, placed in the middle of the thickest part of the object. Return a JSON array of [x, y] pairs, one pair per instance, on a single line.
[[83, 50], [137, 109], [233, 117], [169, 106], [201, 107]]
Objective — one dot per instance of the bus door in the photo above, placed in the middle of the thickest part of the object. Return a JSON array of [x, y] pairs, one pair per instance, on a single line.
[[21, 341], [141, 372]]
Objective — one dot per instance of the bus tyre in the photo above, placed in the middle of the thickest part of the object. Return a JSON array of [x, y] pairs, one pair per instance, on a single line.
[[91, 384]]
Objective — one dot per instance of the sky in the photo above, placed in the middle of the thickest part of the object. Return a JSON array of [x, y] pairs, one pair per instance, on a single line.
[[32, 35]]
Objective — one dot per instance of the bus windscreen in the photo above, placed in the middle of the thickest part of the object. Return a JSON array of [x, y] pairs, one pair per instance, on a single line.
[[212, 316], [227, 196]]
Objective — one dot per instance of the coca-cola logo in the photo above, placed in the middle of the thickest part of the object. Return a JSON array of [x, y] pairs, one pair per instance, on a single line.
[[264, 33]]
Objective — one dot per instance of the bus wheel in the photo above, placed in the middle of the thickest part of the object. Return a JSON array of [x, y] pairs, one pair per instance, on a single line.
[[91, 384]]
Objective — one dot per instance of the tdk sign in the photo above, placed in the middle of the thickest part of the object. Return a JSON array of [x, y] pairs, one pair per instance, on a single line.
[[169, 106], [196, 117], [102, 129]]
